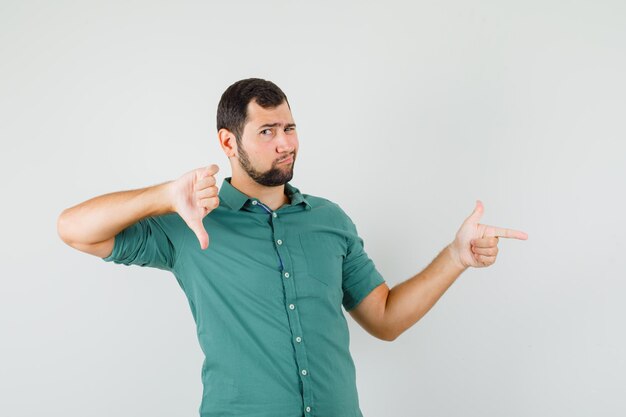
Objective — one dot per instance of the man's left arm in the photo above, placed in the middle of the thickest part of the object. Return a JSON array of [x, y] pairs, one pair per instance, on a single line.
[[387, 313]]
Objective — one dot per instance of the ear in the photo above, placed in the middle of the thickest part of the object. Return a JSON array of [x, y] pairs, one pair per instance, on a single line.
[[228, 142]]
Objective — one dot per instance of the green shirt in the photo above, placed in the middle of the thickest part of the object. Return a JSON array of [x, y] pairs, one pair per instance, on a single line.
[[266, 296]]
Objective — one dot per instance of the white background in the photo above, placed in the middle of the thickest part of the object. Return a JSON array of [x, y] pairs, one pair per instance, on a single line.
[[407, 113]]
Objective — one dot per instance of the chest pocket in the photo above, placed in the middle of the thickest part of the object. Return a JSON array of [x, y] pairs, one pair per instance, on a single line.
[[324, 254]]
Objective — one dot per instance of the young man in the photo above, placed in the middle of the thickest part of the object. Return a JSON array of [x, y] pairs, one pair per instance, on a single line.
[[266, 269]]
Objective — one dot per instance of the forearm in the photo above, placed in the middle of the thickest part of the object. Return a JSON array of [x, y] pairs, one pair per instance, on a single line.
[[103, 217], [410, 300]]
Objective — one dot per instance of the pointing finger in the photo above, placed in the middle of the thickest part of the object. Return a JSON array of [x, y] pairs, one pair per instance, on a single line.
[[493, 231]]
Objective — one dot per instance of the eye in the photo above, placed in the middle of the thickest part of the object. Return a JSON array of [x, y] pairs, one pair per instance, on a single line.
[[290, 128], [266, 130]]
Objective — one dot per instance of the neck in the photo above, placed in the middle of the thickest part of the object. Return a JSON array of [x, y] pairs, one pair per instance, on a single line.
[[273, 197]]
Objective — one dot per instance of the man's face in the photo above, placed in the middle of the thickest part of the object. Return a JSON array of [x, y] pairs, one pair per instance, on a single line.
[[269, 136]]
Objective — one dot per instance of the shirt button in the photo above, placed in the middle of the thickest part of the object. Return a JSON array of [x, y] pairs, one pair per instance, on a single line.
[[280, 242], [254, 202], [291, 306], [286, 274], [308, 409], [274, 215], [298, 339], [304, 372]]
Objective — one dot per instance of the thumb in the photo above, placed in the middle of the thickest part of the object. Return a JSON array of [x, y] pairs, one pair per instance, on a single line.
[[198, 229], [477, 213]]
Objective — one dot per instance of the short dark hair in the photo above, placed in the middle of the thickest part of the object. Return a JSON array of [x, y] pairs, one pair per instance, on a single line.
[[232, 110]]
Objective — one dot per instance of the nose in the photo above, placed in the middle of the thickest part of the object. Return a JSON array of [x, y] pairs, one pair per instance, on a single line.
[[286, 143]]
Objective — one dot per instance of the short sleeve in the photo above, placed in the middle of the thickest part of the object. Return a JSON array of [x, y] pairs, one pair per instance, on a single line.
[[360, 275], [150, 242]]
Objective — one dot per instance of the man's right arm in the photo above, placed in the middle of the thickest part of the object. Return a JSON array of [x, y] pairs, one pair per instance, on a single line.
[[91, 226]]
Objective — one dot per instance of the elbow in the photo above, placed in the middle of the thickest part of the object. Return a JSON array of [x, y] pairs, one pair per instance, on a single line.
[[62, 227], [388, 336]]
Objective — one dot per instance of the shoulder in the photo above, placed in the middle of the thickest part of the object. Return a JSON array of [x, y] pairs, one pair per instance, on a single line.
[[327, 207], [318, 202]]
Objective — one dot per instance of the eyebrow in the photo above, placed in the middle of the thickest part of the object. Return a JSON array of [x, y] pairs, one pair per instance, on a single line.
[[277, 124]]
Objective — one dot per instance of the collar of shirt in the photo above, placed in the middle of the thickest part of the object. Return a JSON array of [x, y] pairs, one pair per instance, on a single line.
[[235, 199]]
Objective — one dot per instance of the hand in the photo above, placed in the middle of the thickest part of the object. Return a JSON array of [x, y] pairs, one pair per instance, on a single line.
[[194, 195], [476, 244]]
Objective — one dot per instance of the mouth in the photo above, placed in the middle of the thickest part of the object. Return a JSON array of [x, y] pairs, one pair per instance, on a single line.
[[286, 160]]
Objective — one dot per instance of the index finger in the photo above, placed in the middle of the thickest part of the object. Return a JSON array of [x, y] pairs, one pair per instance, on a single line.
[[506, 233], [207, 171]]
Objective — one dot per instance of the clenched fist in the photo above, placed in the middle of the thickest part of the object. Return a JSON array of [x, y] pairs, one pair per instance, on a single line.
[[194, 195]]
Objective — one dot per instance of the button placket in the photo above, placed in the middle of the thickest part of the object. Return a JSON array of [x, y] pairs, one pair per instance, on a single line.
[[291, 300]]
